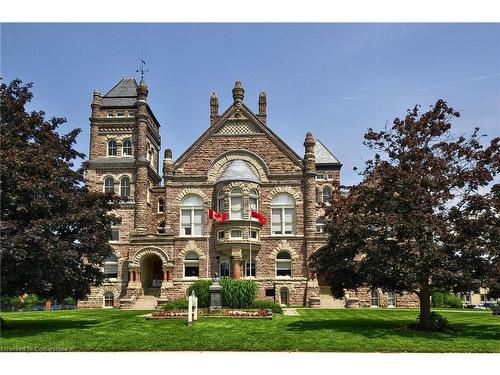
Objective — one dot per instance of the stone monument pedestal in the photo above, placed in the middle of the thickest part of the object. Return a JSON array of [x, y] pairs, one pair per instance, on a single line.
[[215, 296]]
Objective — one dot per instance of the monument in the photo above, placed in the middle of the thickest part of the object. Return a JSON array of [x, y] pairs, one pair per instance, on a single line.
[[215, 293]]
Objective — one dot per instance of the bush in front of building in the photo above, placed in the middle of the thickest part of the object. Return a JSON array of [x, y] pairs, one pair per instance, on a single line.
[[268, 305], [238, 293], [201, 291], [176, 304], [445, 299]]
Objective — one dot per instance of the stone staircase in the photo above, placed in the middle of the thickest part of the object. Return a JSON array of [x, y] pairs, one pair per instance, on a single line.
[[328, 301], [145, 302]]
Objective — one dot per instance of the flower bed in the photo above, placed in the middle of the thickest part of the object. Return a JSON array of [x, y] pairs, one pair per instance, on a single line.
[[222, 313]]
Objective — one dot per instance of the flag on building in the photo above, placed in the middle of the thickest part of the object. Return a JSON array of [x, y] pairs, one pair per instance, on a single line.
[[219, 216], [256, 214]]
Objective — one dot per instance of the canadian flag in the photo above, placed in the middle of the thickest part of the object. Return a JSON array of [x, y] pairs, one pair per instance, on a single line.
[[219, 216], [262, 219]]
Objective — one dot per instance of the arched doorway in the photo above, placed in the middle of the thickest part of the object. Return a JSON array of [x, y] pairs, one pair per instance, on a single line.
[[151, 274]]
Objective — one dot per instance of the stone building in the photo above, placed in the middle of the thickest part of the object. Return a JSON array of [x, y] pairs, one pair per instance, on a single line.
[[165, 240]]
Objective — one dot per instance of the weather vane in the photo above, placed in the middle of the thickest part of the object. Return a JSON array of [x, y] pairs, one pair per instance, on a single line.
[[141, 69]]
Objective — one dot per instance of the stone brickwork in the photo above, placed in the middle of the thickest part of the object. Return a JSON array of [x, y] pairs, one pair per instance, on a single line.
[[154, 255]]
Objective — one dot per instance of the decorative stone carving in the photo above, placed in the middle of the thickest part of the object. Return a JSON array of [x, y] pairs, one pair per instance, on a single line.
[[148, 251], [218, 166], [284, 246], [285, 189], [193, 191], [190, 247]]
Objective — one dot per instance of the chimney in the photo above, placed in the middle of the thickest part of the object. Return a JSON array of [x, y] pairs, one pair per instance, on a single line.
[[263, 107], [214, 108]]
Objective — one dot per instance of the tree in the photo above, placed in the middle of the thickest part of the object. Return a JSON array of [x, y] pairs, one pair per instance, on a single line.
[[54, 232], [422, 217]]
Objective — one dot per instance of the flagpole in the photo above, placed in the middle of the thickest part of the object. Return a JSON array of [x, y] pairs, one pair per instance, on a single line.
[[208, 245], [250, 242]]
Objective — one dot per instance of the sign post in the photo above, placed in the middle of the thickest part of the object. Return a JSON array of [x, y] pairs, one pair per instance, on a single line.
[[192, 308]]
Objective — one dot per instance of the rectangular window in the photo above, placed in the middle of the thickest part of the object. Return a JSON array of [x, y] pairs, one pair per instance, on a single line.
[[236, 203], [320, 177], [247, 268], [220, 235], [289, 220], [330, 176], [236, 233], [186, 222], [197, 222], [270, 292], [276, 221], [131, 114], [191, 271], [120, 114], [111, 114], [115, 232], [252, 234]]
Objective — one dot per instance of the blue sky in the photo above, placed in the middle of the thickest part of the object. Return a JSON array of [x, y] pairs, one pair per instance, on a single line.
[[335, 80]]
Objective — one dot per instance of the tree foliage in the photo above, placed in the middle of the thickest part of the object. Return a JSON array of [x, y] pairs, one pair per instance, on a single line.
[[54, 232], [423, 217]]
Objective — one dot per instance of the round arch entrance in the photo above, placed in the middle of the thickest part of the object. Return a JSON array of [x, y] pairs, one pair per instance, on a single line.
[[151, 273]]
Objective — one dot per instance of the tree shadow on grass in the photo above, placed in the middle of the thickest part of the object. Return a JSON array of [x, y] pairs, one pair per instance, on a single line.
[[33, 327], [386, 329]]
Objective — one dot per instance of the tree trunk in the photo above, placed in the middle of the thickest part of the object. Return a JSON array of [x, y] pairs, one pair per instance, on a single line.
[[425, 307]]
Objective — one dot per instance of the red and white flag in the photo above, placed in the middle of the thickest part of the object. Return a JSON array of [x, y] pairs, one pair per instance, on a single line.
[[256, 214], [219, 216]]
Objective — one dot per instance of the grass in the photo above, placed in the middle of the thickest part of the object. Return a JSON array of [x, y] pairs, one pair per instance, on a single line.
[[352, 330]]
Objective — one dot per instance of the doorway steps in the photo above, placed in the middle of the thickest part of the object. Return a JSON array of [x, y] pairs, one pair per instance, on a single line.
[[146, 302]]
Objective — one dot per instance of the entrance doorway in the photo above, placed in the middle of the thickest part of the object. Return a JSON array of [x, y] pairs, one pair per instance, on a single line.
[[151, 274], [284, 296]]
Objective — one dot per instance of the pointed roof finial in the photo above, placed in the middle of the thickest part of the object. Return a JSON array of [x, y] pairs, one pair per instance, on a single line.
[[238, 92], [142, 69]]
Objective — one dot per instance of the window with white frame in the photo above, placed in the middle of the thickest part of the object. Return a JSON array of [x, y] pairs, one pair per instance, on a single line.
[[253, 202], [330, 176], [109, 300], [112, 147], [253, 235], [283, 264], [374, 298], [161, 205], [120, 114], [125, 187], [320, 225], [110, 267], [127, 147], [191, 265], [283, 215], [111, 114], [220, 201], [391, 299], [115, 231], [250, 271], [131, 114], [320, 176], [236, 204], [109, 185], [224, 268], [220, 235], [192, 216], [236, 233], [327, 194]]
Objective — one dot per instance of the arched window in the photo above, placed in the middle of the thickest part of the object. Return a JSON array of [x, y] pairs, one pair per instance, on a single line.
[[253, 201], [283, 215], [125, 187], [318, 195], [224, 268], [374, 298], [161, 205], [191, 265], [220, 201], [161, 228], [327, 194], [127, 147], [320, 224], [236, 202], [111, 267], [283, 264], [109, 185], [109, 300], [112, 148], [192, 216], [391, 299]]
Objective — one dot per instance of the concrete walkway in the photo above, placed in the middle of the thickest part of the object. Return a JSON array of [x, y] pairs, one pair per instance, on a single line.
[[145, 303], [290, 312]]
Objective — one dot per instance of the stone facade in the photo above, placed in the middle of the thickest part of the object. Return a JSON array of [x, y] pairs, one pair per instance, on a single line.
[[165, 240]]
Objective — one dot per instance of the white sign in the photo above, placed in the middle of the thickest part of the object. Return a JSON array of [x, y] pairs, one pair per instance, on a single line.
[[192, 307]]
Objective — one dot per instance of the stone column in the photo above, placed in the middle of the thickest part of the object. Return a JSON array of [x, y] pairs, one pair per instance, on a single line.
[[236, 257]]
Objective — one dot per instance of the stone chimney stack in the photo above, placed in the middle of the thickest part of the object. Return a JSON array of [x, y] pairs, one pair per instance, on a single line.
[[263, 107], [214, 108], [94, 130], [309, 163], [168, 165]]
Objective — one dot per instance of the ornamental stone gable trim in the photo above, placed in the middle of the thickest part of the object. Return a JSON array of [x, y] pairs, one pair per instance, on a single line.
[[193, 191], [218, 165], [285, 189], [148, 251], [190, 247]]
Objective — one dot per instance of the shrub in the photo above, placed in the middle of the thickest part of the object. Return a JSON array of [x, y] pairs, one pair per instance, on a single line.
[[238, 293], [269, 305], [201, 291], [69, 301], [445, 299], [176, 304], [436, 323], [31, 300]]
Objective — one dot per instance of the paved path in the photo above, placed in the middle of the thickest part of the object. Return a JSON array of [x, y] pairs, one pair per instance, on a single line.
[[290, 312], [145, 303]]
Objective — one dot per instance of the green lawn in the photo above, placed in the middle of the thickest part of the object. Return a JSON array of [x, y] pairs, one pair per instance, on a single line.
[[356, 330]]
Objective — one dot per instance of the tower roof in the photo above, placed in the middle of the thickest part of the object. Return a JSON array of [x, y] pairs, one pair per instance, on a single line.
[[123, 94], [238, 170], [324, 155]]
